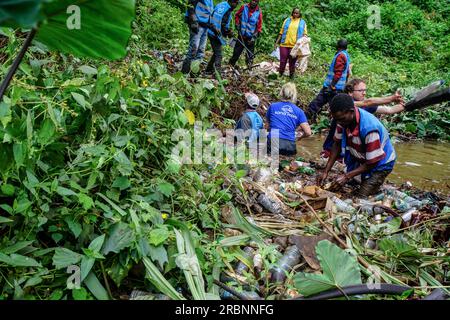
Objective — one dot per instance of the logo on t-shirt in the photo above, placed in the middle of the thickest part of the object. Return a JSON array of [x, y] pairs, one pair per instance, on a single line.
[[287, 109]]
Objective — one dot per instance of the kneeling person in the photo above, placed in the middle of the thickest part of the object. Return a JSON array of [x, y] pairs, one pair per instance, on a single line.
[[251, 120], [287, 122], [366, 145]]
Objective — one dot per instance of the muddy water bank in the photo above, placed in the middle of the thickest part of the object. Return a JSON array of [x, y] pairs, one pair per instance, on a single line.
[[425, 164]]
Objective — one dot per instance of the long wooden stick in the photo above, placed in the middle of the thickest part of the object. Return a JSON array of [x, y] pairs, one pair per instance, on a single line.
[[16, 63], [331, 232]]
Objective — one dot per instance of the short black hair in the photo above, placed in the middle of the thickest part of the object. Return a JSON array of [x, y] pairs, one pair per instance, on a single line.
[[341, 102], [342, 44]]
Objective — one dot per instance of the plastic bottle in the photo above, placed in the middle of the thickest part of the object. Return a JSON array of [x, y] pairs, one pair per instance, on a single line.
[[269, 204], [408, 215], [242, 267], [342, 206], [290, 258]]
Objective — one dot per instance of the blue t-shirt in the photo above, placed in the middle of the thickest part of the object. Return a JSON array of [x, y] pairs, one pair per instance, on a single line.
[[286, 117]]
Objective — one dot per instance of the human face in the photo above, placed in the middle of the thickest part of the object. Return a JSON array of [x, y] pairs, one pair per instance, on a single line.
[[359, 92], [296, 14], [344, 118], [254, 3]]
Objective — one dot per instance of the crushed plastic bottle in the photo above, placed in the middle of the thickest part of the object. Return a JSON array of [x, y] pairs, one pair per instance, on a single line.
[[269, 204], [342, 206], [290, 258], [370, 208]]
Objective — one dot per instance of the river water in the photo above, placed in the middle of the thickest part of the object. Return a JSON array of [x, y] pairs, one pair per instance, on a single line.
[[425, 164]]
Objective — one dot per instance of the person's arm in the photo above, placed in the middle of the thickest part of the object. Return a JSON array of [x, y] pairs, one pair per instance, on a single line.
[[225, 26], [305, 31], [374, 101], [396, 97], [278, 41], [391, 110], [260, 22], [304, 131]]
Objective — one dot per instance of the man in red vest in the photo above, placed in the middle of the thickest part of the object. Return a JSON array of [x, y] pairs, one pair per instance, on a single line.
[[248, 22]]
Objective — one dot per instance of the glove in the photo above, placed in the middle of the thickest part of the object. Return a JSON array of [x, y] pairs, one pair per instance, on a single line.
[[194, 27]]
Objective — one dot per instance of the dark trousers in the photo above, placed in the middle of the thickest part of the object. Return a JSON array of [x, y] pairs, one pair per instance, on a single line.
[[215, 63], [285, 147], [325, 96], [371, 186], [239, 47], [285, 56]]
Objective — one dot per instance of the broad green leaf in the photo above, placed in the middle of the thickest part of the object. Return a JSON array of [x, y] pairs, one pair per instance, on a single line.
[[65, 192], [46, 132], [94, 28], [166, 188], [121, 236], [79, 99], [64, 257], [86, 201], [74, 226], [16, 247], [97, 243], [158, 236], [7, 189], [397, 246], [339, 269], [158, 254], [122, 183], [24, 13], [20, 151], [79, 294], [17, 260], [5, 114], [86, 266], [5, 220], [96, 288]]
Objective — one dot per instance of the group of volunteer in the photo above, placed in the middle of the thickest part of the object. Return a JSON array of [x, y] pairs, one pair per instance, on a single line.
[[356, 136]]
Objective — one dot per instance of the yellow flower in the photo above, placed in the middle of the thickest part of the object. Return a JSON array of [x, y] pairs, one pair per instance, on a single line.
[[164, 216], [144, 83]]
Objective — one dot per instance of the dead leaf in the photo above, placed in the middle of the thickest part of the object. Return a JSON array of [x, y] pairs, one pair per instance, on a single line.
[[307, 246]]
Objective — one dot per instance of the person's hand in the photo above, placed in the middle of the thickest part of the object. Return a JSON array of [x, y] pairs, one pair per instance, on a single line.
[[339, 182], [397, 97], [276, 46], [194, 27], [321, 178]]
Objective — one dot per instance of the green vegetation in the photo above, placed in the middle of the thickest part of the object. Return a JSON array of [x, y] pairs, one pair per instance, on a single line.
[[85, 174]]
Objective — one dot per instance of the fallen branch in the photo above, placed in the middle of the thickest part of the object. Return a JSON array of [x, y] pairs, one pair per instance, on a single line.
[[332, 233]]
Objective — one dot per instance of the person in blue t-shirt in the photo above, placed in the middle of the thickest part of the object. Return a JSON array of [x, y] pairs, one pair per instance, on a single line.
[[287, 122]]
